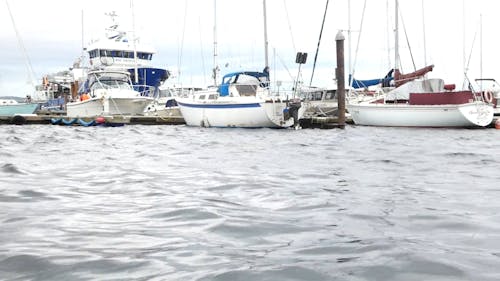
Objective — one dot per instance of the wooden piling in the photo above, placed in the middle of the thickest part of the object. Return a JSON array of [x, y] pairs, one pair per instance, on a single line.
[[340, 73]]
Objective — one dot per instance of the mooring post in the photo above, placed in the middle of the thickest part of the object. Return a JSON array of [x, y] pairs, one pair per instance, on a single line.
[[340, 73]]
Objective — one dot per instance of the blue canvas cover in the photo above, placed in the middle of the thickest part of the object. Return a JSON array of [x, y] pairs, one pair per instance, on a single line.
[[356, 84]]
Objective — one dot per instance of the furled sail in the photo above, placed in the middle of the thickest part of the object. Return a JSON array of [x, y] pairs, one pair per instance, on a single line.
[[400, 79]]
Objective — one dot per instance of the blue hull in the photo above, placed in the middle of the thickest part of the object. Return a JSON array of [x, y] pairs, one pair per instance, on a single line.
[[15, 109]]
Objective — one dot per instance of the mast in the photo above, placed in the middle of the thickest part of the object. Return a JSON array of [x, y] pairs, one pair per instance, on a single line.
[[216, 67], [83, 39], [266, 43], [481, 45], [423, 26], [396, 38], [136, 74], [348, 34], [396, 44]]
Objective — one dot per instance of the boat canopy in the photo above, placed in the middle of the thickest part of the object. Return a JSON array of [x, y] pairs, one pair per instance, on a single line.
[[243, 77]]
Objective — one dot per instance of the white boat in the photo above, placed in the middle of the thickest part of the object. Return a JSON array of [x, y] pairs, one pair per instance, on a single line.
[[242, 100], [423, 103], [109, 92], [11, 107], [114, 50]]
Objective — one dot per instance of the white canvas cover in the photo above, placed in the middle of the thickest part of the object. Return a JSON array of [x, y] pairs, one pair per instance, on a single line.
[[416, 86]]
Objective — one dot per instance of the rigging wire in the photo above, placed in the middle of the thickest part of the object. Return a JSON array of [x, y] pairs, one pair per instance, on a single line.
[[407, 40], [466, 68], [179, 59], [357, 46], [202, 56], [23, 49], [319, 42], [289, 26]]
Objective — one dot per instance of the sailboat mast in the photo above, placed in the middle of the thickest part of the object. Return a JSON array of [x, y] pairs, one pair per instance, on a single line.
[[266, 43], [83, 38], [348, 34], [136, 74], [396, 39], [216, 68]]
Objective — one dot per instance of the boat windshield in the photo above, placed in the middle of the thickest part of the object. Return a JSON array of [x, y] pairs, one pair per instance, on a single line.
[[110, 84], [110, 80]]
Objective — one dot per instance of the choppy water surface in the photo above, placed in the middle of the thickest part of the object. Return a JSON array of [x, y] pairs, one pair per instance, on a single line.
[[180, 203]]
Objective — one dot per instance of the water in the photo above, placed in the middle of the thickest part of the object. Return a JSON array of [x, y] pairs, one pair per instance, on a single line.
[[180, 203]]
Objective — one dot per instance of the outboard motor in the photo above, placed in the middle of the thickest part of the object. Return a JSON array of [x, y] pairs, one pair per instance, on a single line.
[[293, 110]]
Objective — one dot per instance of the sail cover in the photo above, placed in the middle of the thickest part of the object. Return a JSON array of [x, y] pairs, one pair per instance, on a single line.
[[356, 83]]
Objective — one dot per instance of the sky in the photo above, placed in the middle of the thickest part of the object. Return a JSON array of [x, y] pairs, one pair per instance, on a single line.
[[453, 35]]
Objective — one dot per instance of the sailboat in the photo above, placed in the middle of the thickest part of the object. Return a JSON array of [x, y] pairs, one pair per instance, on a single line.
[[243, 99], [421, 102]]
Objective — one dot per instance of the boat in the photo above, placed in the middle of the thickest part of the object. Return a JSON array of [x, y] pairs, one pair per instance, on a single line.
[[417, 101], [11, 107], [117, 50], [243, 99], [424, 103], [109, 92]]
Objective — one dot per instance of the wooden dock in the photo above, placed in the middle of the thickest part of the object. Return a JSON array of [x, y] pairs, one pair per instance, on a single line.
[[306, 123], [110, 120]]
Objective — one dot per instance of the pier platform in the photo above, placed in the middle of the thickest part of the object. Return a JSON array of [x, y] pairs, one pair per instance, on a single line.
[[132, 120]]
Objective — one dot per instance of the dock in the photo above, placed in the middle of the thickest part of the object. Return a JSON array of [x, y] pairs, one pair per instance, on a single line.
[[109, 120], [329, 122]]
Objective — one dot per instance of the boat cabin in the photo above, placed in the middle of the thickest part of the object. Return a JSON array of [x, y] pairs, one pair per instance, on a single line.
[[246, 83]]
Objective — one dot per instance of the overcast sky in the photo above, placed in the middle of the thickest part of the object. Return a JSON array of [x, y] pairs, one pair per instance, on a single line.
[[182, 33]]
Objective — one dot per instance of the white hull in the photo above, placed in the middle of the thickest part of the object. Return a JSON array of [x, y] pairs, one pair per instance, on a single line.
[[108, 106], [403, 115], [245, 114]]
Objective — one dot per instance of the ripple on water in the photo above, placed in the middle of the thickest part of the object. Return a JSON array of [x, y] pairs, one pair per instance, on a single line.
[[182, 203]]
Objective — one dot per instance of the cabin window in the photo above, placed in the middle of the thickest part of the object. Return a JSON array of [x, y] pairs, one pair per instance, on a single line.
[[212, 97], [201, 97], [105, 53]]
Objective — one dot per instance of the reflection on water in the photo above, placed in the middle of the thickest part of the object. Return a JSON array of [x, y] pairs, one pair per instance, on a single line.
[[181, 203]]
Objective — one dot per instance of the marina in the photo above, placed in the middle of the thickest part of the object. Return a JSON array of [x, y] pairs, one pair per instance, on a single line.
[[165, 140]]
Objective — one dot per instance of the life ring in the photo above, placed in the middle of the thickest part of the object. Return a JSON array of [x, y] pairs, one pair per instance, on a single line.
[[488, 96]]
